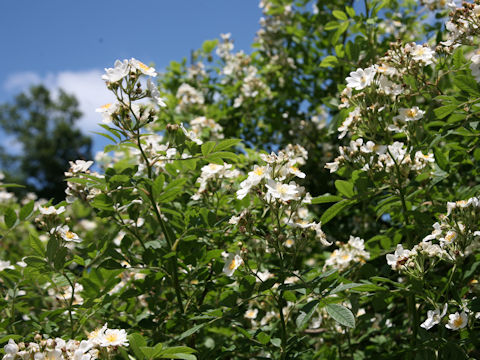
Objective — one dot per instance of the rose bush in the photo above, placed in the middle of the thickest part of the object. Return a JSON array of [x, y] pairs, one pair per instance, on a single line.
[[278, 204]]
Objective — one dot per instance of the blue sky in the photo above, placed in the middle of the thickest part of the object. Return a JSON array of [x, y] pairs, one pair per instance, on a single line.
[[67, 43]]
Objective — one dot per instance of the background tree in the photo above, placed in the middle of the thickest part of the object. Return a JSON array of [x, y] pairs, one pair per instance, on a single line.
[[45, 129]]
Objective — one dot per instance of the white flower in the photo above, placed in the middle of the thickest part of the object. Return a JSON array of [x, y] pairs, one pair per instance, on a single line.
[[54, 354], [117, 73], [107, 111], [289, 243], [155, 94], [457, 321], [191, 135], [6, 265], [410, 114], [360, 79], [51, 210], [144, 69], [434, 317], [423, 54], [11, 347], [114, 337], [232, 263], [95, 335], [448, 238], [284, 192], [80, 166], [255, 176], [399, 258], [251, 314], [68, 235]]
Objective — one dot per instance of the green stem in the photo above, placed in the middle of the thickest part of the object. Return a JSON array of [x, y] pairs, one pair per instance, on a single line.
[[70, 304], [174, 261]]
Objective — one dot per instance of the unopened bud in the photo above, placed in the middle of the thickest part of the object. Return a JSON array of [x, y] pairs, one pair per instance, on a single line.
[[172, 127]]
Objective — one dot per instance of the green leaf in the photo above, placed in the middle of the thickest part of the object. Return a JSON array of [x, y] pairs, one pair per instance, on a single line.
[[136, 342], [11, 185], [179, 356], [36, 245], [333, 210], [35, 261], [263, 338], [341, 314], [191, 331], [306, 313], [60, 258], [209, 45], [213, 158], [105, 135], [340, 15], [52, 248], [341, 29], [102, 202], [467, 84], [329, 61], [350, 11], [26, 210], [276, 342], [151, 352], [10, 217], [440, 158], [207, 147], [227, 155], [444, 111], [326, 199], [177, 350], [225, 144], [345, 188]]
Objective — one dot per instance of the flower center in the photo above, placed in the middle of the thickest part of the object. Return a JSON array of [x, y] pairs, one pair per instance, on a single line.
[[458, 322]]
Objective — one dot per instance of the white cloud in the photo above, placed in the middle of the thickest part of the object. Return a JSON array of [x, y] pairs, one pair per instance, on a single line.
[[87, 86]]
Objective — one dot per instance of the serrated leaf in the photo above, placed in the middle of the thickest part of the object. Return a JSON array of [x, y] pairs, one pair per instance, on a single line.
[[341, 314], [10, 217], [225, 144], [136, 341], [467, 84], [36, 245], [443, 111], [26, 210], [207, 147]]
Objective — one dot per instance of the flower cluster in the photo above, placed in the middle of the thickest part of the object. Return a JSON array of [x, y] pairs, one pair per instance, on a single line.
[[463, 26], [276, 175], [372, 157], [188, 96], [100, 344], [76, 190], [350, 253], [211, 173]]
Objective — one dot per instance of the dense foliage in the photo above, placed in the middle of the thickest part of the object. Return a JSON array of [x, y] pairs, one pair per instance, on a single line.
[[317, 198]]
